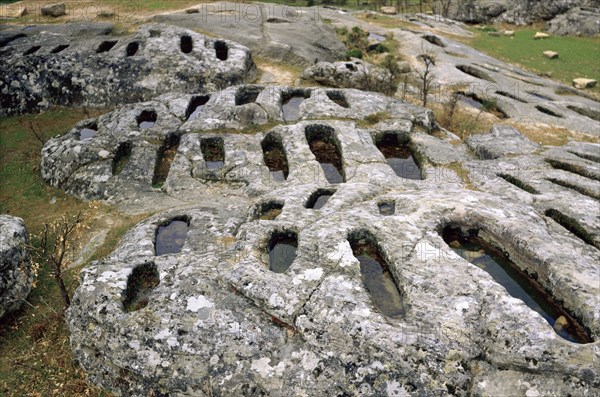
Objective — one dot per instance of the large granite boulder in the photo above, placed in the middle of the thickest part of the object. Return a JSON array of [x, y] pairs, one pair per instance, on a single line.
[[54, 10], [521, 12], [85, 161], [46, 66], [351, 74], [284, 33], [577, 21], [15, 268], [254, 282]]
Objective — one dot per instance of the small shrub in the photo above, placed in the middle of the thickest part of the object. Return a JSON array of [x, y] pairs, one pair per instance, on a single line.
[[381, 48], [354, 53]]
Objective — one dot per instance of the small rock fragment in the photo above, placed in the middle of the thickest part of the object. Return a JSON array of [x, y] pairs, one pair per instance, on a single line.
[[551, 54], [54, 10], [582, 83]]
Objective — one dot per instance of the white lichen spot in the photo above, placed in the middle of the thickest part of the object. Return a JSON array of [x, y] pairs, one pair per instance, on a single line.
[[135, 345], [164, 334], [532, 393], [196, 303], [172, 341], [214, 360], [462, 306], [343, 255], [308, 275], [103, 154], [262, 367], [310, 361], [276, 300], [394, 389], [361, 312], [377, 365]]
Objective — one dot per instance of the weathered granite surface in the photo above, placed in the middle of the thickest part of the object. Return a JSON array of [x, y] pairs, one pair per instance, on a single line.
[[84, 168], [351, 74], [219, 322], [523, 12], [517, 94], [15, 268], [294, 35], [83, 65]]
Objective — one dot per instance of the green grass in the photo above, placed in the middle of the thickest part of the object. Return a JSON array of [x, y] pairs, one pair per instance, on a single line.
[[35, 356], [578, 56]]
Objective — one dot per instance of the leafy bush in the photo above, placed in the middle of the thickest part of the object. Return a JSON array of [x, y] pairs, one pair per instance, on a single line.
[[354, 53], [381, 48]]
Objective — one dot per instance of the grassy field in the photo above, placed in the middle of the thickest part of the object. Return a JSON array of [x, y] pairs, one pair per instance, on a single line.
[[578, 56], [35, 356]]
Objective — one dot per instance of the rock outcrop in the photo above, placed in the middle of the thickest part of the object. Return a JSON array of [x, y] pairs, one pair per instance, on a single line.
[[352, 74], [578, 21], [249, 287], [295, 35], [45, 66], [15, 268], [513, 92], [54, 10], [88, 167], [565, 16]]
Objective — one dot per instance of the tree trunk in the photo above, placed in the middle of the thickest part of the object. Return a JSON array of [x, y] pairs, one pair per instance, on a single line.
[[63, 289]]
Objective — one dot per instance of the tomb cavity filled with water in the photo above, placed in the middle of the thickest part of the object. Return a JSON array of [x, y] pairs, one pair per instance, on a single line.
[[473, 248], [282, 250], [213, 151], [290, 103], [147, 119], [387, 208], [171, 236], [398, 155], [318, 199], [195, 106], [376, 275], [324, 145], [88, 132], [140, 283], [274, 156]]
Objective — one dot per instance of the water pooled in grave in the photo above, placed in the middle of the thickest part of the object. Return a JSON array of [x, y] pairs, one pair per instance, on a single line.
[[171, 238], [494, 261], [319, 199], [87, 133], [282, 251], [274, 157], [147, 119], [387, 208], [399, 157], [377, 278], [291, 104], [322, 145], [213, 153], [195, 107]]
